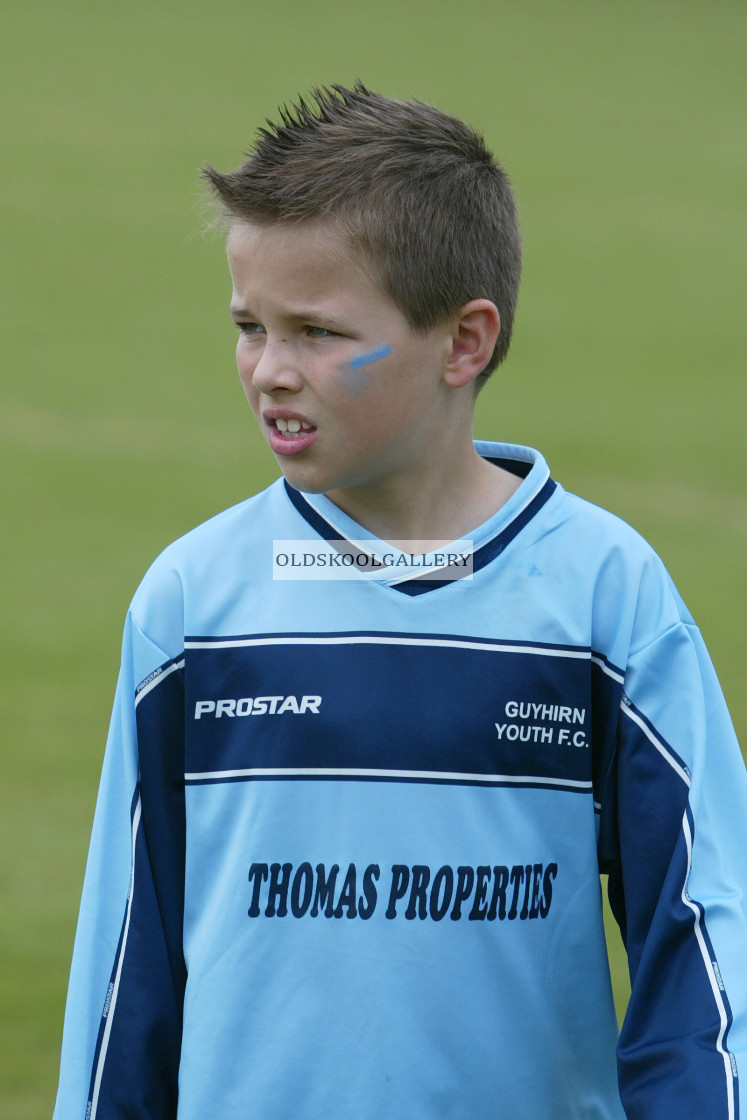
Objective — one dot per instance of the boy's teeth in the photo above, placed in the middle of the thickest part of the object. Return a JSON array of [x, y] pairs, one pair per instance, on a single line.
[[291, 426]]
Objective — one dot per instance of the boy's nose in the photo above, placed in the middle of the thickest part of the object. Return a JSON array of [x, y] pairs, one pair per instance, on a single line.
[[276, 369]]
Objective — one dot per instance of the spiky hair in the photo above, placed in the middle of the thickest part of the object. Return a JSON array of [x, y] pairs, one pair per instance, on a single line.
[[416, 191]]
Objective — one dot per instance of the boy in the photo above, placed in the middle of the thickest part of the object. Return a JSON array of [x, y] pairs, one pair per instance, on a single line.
[[345, 861]]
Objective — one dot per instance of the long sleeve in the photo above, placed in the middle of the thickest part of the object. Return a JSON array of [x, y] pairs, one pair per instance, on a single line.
[[674, 839], [122, 1034]]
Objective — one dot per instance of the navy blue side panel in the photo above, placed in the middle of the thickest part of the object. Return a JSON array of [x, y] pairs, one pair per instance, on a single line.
[[141, 1054], [670, 1057], [160, 722], [607, 693], [404, 707], [102, 1039]]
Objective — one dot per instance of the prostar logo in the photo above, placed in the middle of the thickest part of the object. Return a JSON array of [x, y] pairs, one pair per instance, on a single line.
[[258, 706]]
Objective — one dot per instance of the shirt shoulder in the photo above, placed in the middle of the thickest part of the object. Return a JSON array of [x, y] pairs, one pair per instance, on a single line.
[[227, 549], [633, 594]]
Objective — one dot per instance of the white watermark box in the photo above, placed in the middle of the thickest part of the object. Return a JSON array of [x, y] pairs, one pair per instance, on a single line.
[[348, 559]]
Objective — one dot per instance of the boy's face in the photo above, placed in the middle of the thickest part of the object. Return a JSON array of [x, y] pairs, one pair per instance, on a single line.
[[348, 396]]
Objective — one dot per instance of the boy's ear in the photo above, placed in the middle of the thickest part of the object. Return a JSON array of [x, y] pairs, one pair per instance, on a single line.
[[475, 330]]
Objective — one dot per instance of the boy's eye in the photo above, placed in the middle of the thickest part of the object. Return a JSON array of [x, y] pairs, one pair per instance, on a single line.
[[319, 332], [250, 328]]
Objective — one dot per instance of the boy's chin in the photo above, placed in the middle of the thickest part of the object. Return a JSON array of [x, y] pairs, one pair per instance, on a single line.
[[307, 482]]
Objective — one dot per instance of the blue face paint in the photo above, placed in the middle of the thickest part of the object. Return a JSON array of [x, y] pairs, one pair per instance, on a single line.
[[355, 372], [372, 356]]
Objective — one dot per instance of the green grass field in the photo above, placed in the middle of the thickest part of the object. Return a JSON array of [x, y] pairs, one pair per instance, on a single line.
[[122, 419]]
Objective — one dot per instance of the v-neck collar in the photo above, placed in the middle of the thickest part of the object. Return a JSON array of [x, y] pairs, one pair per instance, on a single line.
[[487, 541]]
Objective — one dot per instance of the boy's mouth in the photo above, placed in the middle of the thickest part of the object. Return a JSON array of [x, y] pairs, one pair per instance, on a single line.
[[288, 434]]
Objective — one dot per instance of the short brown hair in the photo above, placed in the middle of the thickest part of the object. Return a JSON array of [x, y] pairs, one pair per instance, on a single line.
[[416, 191]]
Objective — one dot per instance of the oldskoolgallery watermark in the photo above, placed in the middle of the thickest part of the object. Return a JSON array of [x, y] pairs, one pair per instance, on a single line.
[[348, 559]]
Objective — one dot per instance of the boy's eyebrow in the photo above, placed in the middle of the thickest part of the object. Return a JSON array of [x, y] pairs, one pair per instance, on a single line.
[[300, 316]]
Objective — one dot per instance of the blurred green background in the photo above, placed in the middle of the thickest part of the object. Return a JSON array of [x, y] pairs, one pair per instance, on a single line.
[[122, 419]]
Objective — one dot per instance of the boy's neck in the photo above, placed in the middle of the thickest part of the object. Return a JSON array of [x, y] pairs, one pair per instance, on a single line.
[[432, 509]]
